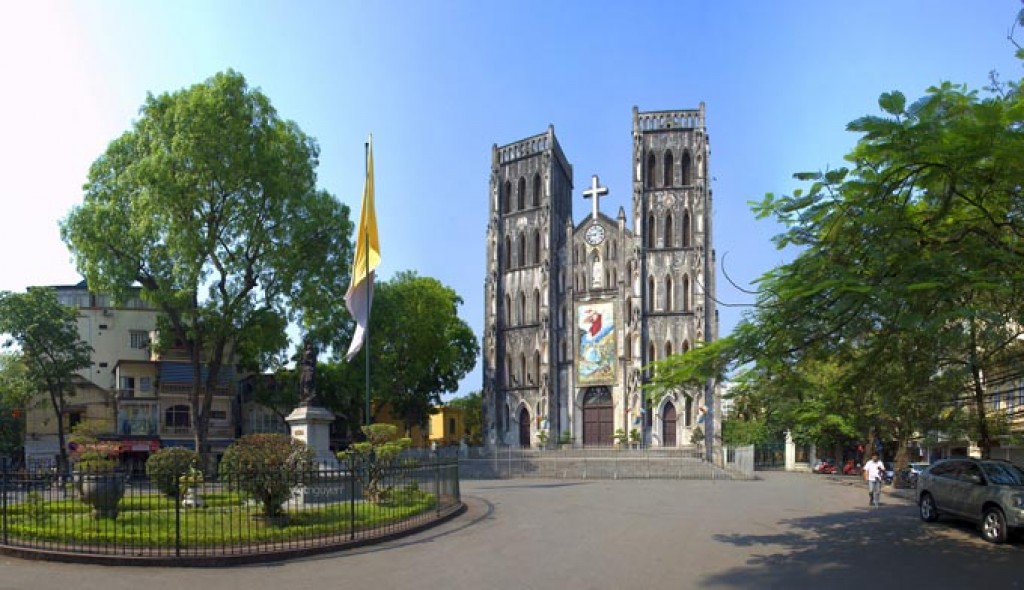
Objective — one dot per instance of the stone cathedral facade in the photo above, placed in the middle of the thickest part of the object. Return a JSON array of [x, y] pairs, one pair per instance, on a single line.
[[576, 308]]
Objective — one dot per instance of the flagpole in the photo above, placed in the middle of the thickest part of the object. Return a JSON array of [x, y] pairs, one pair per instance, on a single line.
[[366, 166]]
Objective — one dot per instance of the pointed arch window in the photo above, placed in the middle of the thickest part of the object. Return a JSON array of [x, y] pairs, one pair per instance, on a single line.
[[522, 367], [669, 164], [668, 349], [508, 252], [615, 277], [686, 346], [652, 164], [688, 411], [509, 377], [521, 196], [522, 250], [650, 231], [522, 307], [650, 293], [506, 198], [508, 310], [669, 238], [684, 164], [536, 246], [536, 366], [686, 293], [536, 190], [652, 353], [687, 230], [669, 303], [536, 305]]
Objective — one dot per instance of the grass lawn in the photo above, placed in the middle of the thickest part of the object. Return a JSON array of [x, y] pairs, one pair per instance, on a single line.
[[148, 520]]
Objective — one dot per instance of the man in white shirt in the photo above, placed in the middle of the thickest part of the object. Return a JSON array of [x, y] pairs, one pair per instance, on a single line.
[[874, 471]]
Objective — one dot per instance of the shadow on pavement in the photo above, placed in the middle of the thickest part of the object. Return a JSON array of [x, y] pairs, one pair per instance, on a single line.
[[885, 547]]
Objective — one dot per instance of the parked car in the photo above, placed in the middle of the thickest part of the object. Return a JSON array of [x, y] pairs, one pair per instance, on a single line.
[[824, 466], [987, 492]]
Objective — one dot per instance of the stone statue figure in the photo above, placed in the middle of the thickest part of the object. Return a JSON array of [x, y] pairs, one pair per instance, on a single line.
[[307, 377]]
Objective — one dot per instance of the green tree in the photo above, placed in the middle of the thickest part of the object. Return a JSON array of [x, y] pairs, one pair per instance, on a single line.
[[472, 408], [209, 203], [420, 348], [372, 459], [912, 250], [15, 391], [47, 334], [267, 467]]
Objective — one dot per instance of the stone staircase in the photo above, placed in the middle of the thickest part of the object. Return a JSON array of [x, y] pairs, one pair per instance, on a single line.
[[593, 464]]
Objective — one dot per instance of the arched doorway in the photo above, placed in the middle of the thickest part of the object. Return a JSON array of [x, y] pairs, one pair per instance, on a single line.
[[524, 428], [597, 417], [668, 425]]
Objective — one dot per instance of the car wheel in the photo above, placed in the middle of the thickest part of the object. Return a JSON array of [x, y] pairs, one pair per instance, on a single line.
[[993, 526], [928, 511]]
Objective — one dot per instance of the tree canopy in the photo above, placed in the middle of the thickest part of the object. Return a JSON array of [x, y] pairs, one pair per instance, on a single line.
[[51, 352], [209, 202], [903, 305], [420, 348], [15, 393]]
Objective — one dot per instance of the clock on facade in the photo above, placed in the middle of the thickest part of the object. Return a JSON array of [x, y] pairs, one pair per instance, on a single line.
[[594, 235]]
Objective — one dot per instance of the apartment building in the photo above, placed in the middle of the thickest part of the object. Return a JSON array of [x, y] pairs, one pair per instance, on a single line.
[[138, 397]]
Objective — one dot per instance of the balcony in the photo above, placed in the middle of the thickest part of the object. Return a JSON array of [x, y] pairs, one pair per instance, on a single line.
[[137, 427], [135, 394], [212, 431], [186, 389]]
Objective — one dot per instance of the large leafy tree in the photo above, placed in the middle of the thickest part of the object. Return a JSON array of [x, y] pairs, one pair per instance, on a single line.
[[420, 348], [907, 285], [921, 239], [209, 202], [15, 392], [472, 411], [51, 352]]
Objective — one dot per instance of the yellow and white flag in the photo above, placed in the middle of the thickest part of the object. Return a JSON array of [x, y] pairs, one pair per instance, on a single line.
[[367, 258]]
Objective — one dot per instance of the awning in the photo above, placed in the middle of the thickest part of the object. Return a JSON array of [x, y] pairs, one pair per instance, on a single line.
[[139, 446]]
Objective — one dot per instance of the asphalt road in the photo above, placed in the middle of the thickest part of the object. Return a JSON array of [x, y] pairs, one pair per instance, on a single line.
[[785, 531]]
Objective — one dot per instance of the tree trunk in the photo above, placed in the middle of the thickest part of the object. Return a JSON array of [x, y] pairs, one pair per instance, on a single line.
[[58, 409], [984, 438]]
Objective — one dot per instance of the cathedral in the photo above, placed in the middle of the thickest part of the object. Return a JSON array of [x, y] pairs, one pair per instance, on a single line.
[[574, 310]]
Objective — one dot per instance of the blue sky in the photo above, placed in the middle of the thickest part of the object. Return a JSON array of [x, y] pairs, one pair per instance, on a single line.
[[439, 82]]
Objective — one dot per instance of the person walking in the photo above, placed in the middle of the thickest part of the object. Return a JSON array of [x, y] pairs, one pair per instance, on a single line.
[[874, 471]]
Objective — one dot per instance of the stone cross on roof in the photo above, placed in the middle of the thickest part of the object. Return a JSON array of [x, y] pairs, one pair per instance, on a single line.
[[595, 192]]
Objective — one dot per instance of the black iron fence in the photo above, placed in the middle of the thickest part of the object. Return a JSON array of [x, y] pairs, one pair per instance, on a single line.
[[197, 518]]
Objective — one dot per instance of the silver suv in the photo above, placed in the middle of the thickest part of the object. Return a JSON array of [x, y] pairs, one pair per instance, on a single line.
[[990, 493]]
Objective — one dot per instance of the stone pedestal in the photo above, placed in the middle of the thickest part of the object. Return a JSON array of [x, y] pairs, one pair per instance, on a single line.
[[312, 425]]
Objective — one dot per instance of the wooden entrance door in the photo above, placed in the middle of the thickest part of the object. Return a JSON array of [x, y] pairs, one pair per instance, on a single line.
[[597, 417], [668, 425], [524, 428]]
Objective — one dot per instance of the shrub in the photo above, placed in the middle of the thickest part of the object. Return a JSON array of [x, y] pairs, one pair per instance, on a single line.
[[267, 467], [90, 454], [166, 466], [372, 460]]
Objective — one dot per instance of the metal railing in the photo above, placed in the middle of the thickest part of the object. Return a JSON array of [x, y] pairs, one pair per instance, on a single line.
[[275, 514], [601, 463]]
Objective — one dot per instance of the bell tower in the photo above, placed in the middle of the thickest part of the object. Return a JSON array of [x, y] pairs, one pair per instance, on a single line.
[[530, 203]]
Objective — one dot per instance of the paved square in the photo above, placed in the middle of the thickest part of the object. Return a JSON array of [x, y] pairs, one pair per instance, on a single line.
[[786, 531]]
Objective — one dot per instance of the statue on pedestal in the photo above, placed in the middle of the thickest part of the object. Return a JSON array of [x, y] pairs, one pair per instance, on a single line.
[[307, 377]]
